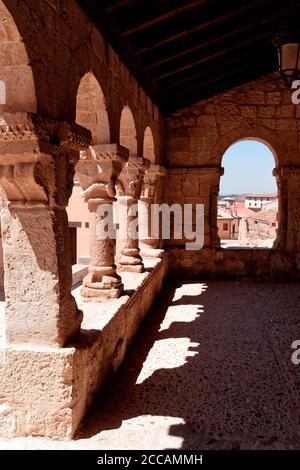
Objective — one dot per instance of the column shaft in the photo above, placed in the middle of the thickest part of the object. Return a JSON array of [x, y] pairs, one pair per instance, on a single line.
[[98, 169], [129, 191], [37, 178]]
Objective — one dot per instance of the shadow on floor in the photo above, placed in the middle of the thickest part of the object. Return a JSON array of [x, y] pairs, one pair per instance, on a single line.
[[218, 358]]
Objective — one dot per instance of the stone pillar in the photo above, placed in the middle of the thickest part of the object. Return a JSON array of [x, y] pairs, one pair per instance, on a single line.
[[37, 158], [151, 194], [280, 241], [198, 185], [214, 174], [129, 191], [288, 233], [97, 171]]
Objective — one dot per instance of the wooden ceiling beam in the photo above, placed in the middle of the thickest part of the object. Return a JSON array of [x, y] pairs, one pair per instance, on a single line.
[[170, 14], [211, 56], [221, 77], [215, 88], [214, 41], [117, 5], [188, 81], [207, 24]]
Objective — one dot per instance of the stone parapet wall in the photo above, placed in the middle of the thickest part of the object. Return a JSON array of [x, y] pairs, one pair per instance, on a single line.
[[45, 391], [234, 264]]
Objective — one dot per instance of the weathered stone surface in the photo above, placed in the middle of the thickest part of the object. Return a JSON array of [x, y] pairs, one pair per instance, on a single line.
[[37, 178], [153, 192], [129, 188], [42, 391], [239, 264], [46, 391], [98, 170], [262, 111]]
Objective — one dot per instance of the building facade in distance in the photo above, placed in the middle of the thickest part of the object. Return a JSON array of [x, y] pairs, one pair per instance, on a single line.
[[255, 202]]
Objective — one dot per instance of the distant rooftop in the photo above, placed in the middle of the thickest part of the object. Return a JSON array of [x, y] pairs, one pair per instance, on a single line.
[[222, 214], [262, 195]]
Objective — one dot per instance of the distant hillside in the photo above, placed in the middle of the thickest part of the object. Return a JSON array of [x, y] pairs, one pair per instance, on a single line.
[[236, 197]]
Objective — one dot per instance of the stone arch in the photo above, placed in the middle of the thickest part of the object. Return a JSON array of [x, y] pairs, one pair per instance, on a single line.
[[149, 145], [269, 140], [91, 110], [265, 136], [128, 134], [16, 76]]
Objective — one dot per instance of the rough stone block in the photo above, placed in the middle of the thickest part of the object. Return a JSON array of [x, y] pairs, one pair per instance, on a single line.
[[42, 391]]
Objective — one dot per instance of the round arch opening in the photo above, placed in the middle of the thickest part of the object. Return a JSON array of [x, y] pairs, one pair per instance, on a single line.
[[247, 214], [91, 110], [148, 145], [128, 134], [17, 87]]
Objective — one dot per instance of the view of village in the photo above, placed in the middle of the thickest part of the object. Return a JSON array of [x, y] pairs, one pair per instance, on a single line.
[[248, 220]]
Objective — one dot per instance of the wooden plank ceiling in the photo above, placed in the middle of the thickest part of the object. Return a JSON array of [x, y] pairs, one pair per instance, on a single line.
[[183, 51]]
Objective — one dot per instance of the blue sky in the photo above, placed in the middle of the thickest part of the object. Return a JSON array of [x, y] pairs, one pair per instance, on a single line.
[[248, 168]]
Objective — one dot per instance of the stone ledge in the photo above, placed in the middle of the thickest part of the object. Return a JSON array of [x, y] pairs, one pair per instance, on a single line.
[[45, 391], [79, 271], [235, 264]]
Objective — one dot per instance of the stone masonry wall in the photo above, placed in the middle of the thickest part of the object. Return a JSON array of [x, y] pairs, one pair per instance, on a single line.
[[62, 45], [199, 135]]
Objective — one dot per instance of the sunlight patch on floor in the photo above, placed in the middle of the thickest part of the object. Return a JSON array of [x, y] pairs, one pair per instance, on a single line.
[[173, 352], [168, 353], [143, 432]]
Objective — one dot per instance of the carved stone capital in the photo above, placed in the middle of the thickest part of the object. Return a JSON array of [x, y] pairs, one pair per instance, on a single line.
[[152, 176], [37, 157], [26, 128], [21, 185], [131, 178], [287, 172], [207, 172], [98, 169]]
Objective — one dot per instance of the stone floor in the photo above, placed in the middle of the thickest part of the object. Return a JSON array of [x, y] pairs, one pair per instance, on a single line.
[[210, 369]]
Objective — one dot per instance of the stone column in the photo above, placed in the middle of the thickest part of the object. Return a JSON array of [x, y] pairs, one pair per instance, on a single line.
[[129, 191], [280, 241], [288, 233], [97, 171], [37, 158], [151, 194], [214, 174]]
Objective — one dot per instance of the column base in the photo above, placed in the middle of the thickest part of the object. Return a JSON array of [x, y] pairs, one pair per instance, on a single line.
[[90, 294], [101, 283], [131, 261]]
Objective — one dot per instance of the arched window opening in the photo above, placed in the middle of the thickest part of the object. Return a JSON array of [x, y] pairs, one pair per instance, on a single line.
[[148, 147], [128, 136], [17, 90], [91, 113], [248, 199], [91, 110]]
